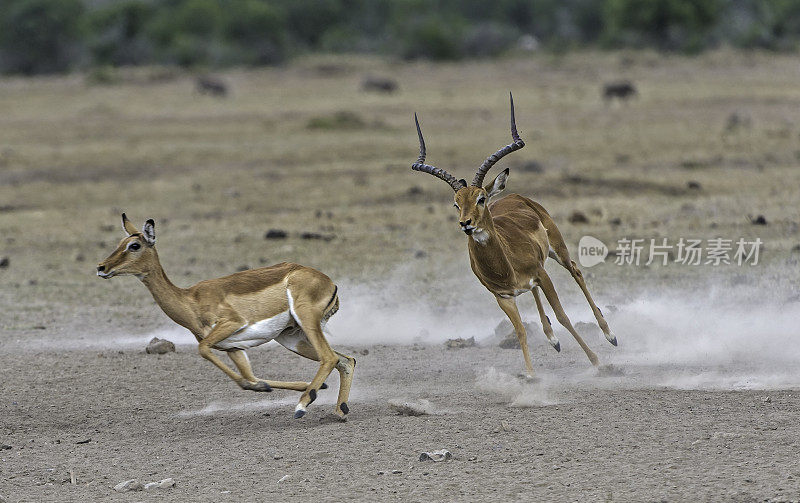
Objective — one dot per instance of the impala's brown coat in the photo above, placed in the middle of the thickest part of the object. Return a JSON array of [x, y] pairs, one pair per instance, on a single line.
[[509, 241], [286, 302]]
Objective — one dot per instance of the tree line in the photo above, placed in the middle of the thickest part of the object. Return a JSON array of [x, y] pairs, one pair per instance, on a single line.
[[51, 36]]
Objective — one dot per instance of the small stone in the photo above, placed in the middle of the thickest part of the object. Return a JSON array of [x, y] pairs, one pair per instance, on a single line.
[[759, 220], [578, 217], [158, 346], [276, 234], [436, 456], [419, 408], [4, 262], [420, 254], [284, 478], [460, 343], [693, 185], [129, 485], [364, 352], [161, 484], [317, 235], [397, 472], [4, 447]]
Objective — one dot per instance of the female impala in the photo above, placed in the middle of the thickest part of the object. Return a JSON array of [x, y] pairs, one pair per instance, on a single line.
[[508, 242], [288, 303]]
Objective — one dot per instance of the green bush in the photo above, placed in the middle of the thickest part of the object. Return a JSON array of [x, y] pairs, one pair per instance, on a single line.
[[118, 33], [40, 36]]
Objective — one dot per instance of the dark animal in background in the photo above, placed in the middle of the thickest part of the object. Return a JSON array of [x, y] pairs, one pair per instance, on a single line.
[[211, 85], [622, 90], [378, 84]]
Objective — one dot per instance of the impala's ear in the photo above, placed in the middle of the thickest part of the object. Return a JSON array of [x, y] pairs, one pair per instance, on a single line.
[[127, 226], [149, 232], [498, 184]]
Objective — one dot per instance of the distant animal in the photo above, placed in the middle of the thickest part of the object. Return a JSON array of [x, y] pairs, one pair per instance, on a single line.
[[206, 84], [378, 84], [287, 303], [622, 90], [508, 242]]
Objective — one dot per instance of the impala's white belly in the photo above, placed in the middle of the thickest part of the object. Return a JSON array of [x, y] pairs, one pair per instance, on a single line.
[[282, 328], [258, 333]]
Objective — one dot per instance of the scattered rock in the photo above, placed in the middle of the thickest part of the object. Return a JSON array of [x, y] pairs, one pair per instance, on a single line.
[[418, 408], [158, 346], [129, 485], [4, 262], [736, 121], [415, 191], [161, 484], [364, 352], [243, 267], [84, 441], [693, 185], [316, 235], [397, 472], [284, 478], [378, 84], [759, 220], [578, 217], [460, 343], [610, 371], [276, 234], [420, 254], [436, 456], [4, 447], [504, 331], [622, 90], [206, 84]]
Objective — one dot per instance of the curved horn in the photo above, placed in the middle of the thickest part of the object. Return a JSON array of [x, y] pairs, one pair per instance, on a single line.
[[511, 147], [427, 168]]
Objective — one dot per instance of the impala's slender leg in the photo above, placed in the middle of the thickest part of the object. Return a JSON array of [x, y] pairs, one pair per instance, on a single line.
[[509, 306], [239, 357], [552, 298], [548, 329], [222, 331], [346, 366], [309, 316], [561, 255]]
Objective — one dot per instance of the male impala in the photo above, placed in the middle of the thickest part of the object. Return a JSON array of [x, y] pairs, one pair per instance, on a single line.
[[288, 303], [508, 242]]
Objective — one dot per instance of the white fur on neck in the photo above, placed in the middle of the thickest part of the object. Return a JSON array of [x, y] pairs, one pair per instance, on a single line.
[[480, 236]]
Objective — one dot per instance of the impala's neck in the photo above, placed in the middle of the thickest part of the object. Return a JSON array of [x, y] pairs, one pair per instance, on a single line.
[[487, 251], [171, 299]]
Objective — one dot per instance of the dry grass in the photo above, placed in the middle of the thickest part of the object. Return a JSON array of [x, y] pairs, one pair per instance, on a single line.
[[216, 174]]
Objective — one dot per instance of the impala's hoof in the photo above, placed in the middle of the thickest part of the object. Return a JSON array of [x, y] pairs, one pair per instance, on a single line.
[[261, 386], [611, 338], [324, 386], [344, 408], [299, 413], [556, 345], [312, 395]]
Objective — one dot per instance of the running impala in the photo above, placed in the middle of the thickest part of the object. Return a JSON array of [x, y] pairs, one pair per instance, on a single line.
[[508, 242], [288, 303]]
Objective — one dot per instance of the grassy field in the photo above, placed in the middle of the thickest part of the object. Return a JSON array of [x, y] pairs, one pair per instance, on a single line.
[[216, 174]]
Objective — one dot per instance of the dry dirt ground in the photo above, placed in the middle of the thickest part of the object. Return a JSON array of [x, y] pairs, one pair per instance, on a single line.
[[702, 399]]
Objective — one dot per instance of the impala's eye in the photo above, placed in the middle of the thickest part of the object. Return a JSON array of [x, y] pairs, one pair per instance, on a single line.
[[134, 246]]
